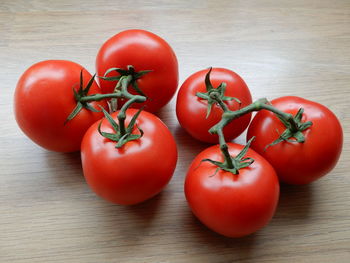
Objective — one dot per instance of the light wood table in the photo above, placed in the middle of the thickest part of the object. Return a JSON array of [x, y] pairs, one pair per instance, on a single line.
[[47, 211]]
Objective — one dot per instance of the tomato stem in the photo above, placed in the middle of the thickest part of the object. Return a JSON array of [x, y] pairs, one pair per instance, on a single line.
[[126, 78], [260, 104], [217, 96], [233, 164], [294, 125], [123, 133], [224, 150], [98, 97], [125, 81]]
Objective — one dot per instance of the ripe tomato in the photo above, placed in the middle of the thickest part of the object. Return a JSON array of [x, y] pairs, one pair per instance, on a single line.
[[191, 111], [233, 205], [299, 163], [144, 51], [135, 172], [44, 99]]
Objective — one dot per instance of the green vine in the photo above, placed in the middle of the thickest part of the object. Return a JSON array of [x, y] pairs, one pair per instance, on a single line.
[[294, 125], [123, 133]]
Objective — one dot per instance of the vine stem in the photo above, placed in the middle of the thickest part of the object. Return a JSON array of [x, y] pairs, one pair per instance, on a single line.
[[98, 97], [224, 149], [124, 83], [260, 104], [294, 126], [120, 91]]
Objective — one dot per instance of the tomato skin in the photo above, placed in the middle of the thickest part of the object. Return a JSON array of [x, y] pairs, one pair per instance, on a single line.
[[191, 111], [299, 163], [135, 172], [145, 51], [44, 99], [232, 205]]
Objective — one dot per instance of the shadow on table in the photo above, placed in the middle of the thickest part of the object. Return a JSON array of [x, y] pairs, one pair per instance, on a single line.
[[239, 248], [295, 203], [294, 207], [146, 211], [188, 147], [65, 167], [129, 227]]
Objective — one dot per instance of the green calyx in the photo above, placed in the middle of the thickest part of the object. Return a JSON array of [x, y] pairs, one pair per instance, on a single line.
[[121, 134], [215, 95], [294, 125], [130, 71], [78, 95], [233, 164], [125, 79], [294, 128]]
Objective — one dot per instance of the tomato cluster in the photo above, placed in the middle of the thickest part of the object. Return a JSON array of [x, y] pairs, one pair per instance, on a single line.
[[129, 155], [58, 104], [292, 140]]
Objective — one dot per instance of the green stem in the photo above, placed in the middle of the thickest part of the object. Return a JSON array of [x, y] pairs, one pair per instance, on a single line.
[[261, 104], [125, 81], [224, 150], [293, 124], [120, 91], [98, 97], [283, 115], [221, 103]]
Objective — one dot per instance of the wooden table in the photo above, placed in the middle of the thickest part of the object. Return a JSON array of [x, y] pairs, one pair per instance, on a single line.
[[47, 211]]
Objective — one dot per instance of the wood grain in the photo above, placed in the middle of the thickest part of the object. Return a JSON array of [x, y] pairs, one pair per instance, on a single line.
[[48, 213]]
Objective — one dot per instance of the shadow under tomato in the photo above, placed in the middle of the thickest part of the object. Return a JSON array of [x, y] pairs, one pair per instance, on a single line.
[[188, 146], [295, 203], [240, 248], [147, 210], [130, 223], [165, 113], [65, 167]]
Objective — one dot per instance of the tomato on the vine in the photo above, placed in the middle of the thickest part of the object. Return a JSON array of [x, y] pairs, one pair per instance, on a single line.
[[136, 171], [233, 205], [43, 100], [144, 51], [191, 110], [296, 162]]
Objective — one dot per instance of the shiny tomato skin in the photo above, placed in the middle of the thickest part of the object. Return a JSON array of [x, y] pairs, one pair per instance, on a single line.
[[135, 172], [191, 111], [145, 51], [232, 205], [299, 163], [43, 100]]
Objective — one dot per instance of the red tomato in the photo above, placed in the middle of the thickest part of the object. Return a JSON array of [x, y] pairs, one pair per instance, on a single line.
[[44, 99], [135, 172], [233, 205], [144, 51], [191, 111], [299, 163]]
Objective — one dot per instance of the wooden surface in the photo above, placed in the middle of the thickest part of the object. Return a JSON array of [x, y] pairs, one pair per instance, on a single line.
[[48, 213]]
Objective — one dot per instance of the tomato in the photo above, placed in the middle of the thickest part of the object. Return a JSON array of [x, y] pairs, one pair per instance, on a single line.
[[135, 172], [299, 163], [233, 205], [44, 99], [191, 111], [144, 51]]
